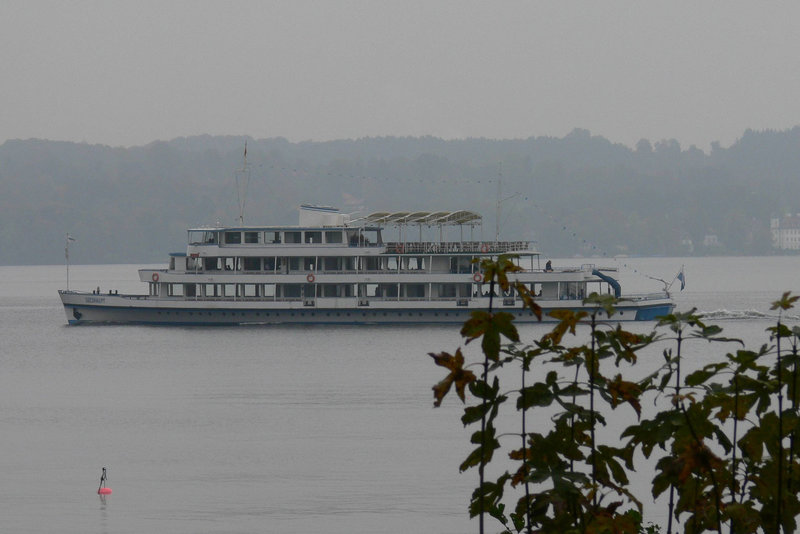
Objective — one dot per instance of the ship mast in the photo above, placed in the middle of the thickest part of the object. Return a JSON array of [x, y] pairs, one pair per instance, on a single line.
[[242, 181], [500, 200]]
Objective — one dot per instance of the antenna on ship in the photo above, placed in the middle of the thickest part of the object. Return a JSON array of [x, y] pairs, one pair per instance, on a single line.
[[241, 188], [500, 200]]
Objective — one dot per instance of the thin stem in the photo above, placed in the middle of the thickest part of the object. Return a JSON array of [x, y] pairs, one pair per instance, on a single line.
[[677, 392], [794, 408], [591, 411], [780, 433], [717, 500], [525, 456], [483, 420]]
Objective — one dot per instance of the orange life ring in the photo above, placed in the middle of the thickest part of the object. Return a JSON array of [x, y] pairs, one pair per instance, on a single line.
[[477, 277], [155, 277], [310, 278], [484, 248]]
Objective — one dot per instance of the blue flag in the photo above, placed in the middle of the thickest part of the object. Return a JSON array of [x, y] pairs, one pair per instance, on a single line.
[[681, 278]]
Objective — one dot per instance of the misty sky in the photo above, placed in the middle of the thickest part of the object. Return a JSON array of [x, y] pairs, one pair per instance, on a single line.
[[128, 73]]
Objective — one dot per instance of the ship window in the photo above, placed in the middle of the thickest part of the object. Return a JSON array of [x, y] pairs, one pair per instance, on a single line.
[[313, 237], [252, 264], [292, 237], [251, 237], [333, 237], [233, 238]]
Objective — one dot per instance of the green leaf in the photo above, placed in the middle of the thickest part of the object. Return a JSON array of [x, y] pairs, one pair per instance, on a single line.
[[786, 302], [458, 375]]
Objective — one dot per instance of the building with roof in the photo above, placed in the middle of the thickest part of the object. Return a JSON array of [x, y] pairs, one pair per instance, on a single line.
[[786, 232]]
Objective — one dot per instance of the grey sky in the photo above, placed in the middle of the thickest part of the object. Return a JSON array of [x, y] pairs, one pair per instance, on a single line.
[[128, 73]]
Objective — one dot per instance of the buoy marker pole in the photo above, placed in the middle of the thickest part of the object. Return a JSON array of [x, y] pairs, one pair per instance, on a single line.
[[103, 490]]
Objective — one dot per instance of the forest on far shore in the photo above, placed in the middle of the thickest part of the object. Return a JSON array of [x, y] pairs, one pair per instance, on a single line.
[[580, 195]]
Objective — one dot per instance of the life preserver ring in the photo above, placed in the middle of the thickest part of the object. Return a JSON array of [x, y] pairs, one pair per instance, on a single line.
[[477, 277], [310, 278], [484, 248], [155, 277]]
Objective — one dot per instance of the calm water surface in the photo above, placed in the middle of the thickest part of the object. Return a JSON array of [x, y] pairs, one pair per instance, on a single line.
[[265, 429]]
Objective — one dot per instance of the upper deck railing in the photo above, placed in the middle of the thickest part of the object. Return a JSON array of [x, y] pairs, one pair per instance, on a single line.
[[469, 247]]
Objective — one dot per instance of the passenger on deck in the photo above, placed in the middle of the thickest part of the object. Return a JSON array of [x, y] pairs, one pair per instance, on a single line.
[[548, 267]]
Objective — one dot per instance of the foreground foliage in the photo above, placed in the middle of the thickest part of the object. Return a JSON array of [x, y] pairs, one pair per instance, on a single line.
[[721, 440]]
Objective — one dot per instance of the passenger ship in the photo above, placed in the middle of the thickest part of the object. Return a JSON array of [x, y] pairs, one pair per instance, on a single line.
[[334, 268]]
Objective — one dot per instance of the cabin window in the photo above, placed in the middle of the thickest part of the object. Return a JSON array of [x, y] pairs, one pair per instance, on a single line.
[[176, 290], [294, 264], [330, 264], [252, 264], [211, 264], [210, 237], [250, 290], [292, 290], [415, 290], [189, 290], [276, 238], [233, 238], [292, 237], [333, 237], [269, 264], [251, 237], [313, 237]]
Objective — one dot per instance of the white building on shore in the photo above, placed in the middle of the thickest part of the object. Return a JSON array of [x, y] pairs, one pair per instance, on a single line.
[[786, 232]]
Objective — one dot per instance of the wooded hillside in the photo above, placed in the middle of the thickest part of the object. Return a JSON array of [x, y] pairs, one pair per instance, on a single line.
[[580, 194]]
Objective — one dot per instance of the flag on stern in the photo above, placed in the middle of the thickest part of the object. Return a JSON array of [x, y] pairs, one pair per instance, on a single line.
[[682, 278]]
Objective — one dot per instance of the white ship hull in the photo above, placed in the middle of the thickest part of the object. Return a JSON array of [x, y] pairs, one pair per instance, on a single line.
[[88, 308]]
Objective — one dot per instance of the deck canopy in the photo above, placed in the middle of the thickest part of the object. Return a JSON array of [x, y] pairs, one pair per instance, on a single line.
[[429, 218]]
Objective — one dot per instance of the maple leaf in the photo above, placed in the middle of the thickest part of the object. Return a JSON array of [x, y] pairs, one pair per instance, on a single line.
[[527, 299], [458, 375], [491, 326], [497, 270], [786, 302], [626, 391]]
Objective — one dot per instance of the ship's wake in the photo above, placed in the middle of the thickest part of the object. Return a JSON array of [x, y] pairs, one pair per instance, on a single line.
[[745, 315]]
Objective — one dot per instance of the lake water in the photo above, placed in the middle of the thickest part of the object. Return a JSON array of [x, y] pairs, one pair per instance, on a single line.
[[266, 429]]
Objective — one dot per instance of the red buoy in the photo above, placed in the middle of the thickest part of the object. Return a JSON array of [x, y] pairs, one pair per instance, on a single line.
[[104, 491]]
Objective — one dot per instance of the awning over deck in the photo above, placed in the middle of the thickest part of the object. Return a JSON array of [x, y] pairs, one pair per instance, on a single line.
[[428, 218]]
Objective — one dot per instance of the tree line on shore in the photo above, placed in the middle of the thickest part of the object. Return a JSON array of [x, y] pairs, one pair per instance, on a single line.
[[576, 195]]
